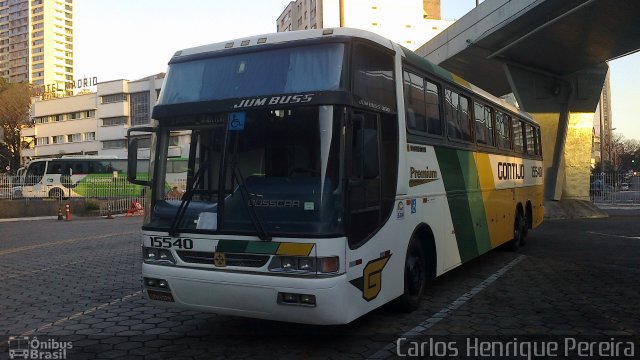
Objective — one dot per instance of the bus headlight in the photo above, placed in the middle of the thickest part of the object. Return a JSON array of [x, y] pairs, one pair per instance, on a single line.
[[304, 264], [157, 256]]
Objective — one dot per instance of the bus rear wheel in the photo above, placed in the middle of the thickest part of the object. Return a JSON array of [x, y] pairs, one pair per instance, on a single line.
[[519, 232], [415, 277]]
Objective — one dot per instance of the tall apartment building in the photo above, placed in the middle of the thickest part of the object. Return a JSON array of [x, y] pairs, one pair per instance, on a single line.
[[602, 147], [95, 123], [36, 44], [410, 23]]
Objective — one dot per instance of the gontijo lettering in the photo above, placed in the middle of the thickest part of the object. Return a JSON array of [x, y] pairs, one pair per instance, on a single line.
[[510, 171]]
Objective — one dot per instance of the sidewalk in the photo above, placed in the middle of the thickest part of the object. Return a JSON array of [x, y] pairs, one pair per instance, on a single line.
[[29, 218]]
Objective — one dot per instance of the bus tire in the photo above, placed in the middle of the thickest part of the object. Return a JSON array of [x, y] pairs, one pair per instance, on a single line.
[[415, 277], [528, 221], [56, 193], [17, 194], [518, 232]]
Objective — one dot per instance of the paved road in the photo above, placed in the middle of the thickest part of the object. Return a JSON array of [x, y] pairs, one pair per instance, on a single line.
[[80, 282]]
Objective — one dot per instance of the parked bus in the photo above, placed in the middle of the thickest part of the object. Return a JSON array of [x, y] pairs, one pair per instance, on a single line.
[[77, 176], [89, 176], [330, 171]]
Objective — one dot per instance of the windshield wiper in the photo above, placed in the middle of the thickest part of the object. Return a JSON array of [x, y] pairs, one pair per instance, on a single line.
[[186, 200], [250, 204]]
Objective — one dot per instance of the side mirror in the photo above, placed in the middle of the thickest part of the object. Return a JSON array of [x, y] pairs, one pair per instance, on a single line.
[[132, 154]]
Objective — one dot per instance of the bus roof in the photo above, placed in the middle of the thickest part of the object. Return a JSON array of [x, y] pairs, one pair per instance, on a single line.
[[282, 37], [289, 36]]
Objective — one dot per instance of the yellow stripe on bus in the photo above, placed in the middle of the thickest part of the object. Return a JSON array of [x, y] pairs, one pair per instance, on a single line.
[[294, 249]]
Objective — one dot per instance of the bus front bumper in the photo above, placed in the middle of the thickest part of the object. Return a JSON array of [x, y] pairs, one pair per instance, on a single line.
[[251, 295]]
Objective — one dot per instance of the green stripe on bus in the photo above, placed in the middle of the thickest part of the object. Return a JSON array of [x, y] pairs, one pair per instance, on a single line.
[[456, 187], [476, 203], [232, 246], [460, 177], [262, 247]]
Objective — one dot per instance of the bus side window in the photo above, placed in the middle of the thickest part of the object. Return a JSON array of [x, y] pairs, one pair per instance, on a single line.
[[484, 124], [79, 168], [414, 102], [530, 137], [458, 116], [502, 131], [55, 168], [434, 122], [518, 136], [373, 76]]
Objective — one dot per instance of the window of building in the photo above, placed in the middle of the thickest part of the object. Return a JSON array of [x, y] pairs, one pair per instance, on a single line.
[[113, 98], [42, 141], [90, 136], [139, 108], [114, 144], [58, 139], [114, 121], [458, 115], [74, 138], [144, 142]]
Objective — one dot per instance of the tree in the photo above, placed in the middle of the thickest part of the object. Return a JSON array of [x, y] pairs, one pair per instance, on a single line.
[[15, 101]]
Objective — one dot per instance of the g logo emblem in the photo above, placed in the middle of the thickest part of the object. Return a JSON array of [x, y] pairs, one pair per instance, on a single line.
[[373, 278]]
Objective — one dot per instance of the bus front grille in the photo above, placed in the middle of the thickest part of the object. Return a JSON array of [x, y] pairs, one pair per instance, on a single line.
[[244, 260]]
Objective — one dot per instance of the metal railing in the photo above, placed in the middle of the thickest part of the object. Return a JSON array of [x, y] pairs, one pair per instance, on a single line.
[[100, 195], [613, 188]]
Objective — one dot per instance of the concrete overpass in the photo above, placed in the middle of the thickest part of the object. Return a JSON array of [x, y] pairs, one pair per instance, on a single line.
[[551, 54]]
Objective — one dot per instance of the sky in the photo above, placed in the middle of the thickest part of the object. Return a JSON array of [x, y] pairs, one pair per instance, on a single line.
[[132, 39]]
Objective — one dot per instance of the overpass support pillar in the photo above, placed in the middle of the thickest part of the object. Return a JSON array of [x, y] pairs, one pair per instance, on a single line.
[[565, 108]]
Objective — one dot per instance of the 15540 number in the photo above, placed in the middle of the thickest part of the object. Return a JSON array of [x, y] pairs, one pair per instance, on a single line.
[[168, 242]]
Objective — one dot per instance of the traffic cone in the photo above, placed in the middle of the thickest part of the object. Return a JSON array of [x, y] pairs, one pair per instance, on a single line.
[[68, 213]]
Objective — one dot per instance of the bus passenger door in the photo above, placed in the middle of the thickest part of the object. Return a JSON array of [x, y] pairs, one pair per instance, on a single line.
[[363, 176]]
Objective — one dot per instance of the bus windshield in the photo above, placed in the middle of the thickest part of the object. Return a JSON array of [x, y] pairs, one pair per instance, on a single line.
[[278, 71], [278, 171]]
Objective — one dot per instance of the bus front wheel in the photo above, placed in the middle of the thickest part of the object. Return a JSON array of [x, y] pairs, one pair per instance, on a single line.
[[56, 193], [415, 277]]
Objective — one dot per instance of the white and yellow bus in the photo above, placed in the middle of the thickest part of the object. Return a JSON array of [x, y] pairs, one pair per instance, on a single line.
[[330, 172]]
